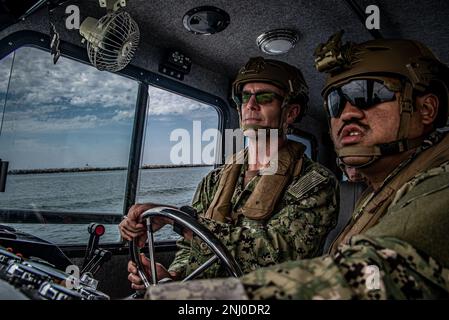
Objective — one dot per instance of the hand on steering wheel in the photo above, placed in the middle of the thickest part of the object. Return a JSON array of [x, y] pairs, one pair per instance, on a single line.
[[136, 281], [132, 228], [187, 222]]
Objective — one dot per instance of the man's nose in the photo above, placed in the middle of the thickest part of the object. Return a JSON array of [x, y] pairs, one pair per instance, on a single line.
[[351, 112], [252, 103]]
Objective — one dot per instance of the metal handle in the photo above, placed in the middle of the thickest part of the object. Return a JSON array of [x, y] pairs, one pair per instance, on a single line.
[[151, 250], [134, 251]]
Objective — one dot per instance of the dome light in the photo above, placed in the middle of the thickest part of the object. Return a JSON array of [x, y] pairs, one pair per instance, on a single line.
[[278, 41]]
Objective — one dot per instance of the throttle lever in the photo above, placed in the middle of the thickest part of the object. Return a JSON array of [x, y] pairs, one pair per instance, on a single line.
[[99, 258], [96, 231]]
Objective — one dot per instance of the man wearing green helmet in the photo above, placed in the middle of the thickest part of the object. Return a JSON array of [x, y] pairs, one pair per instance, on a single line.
[[262, 217], [385, 100]]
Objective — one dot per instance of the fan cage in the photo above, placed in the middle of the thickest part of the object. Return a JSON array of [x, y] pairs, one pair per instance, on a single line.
[[115, 43]]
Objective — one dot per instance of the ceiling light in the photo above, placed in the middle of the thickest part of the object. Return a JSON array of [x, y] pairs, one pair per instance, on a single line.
[[277, 41], [206, 20]]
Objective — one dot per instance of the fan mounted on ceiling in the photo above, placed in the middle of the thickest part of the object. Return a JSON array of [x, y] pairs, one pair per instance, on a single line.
[[113, 39]]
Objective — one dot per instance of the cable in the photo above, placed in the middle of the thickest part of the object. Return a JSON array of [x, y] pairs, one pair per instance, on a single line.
[[7, 91]]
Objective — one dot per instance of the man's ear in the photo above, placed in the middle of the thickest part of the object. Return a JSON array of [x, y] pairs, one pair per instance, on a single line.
[[428, 108], [293, 112]]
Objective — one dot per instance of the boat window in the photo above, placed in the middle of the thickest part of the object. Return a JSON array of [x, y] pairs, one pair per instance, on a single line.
[[307, 142], [66, 133], [179, 150], [307, 139]]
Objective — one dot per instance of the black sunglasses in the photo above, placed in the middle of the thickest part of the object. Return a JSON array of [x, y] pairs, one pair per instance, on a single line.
[[362, 94], [262, 97]]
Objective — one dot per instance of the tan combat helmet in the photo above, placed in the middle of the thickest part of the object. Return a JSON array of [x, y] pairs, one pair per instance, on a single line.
[[278, 73], [413, 65]]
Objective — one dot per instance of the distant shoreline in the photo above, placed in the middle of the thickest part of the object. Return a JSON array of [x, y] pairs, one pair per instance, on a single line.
[[89, 169]]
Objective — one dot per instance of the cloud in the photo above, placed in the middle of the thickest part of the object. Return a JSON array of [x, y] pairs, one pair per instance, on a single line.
[[166, 103], [28, 123], [71, 95], [123, 115], [42, 82]]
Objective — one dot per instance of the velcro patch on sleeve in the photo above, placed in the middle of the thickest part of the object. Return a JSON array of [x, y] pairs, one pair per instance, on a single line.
[[306, 183]]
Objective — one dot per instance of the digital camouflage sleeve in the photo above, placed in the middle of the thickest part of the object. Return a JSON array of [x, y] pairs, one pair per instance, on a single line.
[[297, 229], [405, 256], [404, 273]]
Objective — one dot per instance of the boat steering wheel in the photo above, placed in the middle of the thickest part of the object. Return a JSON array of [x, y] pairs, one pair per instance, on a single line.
[[186, 221]]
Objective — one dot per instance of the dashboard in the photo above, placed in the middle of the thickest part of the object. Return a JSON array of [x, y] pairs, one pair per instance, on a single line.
[[35, 269]]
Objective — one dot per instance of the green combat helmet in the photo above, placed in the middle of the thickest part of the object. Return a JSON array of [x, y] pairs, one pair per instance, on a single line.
[[413, 65], [279, 74]]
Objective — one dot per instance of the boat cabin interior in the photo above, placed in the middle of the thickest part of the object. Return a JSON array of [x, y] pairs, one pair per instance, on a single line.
[[101, 103]]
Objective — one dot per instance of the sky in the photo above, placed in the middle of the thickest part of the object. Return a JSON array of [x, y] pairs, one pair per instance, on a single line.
[[72, 115]]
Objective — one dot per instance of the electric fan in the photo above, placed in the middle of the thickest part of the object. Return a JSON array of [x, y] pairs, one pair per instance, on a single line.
[[113, 39]]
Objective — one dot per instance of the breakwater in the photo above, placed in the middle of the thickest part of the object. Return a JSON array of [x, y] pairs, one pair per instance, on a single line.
[[88, 168]]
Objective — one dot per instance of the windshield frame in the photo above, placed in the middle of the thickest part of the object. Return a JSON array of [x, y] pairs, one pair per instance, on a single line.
[[144, 78]]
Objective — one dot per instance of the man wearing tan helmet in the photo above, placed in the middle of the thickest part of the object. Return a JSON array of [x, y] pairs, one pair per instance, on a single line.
[[263, 217], [385, 100]]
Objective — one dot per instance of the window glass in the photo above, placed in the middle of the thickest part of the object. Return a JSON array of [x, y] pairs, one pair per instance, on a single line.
[[66, 134], [180, 144], [305, 142]]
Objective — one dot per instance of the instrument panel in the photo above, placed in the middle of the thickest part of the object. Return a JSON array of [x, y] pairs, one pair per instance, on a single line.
[[31, 268], [42, 281]]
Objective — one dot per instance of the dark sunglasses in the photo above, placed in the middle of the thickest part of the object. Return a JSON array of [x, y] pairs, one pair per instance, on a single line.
[[263, 97], [362, 94]]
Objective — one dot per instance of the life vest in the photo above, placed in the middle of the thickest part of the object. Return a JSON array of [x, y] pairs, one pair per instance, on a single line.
[[267, 192], [372, 206]]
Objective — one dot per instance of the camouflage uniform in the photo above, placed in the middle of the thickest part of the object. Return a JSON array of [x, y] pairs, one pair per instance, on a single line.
[[396, 246], [409, 246], [297, 228]]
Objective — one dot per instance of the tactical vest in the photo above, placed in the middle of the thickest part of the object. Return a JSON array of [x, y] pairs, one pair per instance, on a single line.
[[269, 188], [372, 206]]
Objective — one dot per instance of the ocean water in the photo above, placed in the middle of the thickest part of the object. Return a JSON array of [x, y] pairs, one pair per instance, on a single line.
[[95, 192]]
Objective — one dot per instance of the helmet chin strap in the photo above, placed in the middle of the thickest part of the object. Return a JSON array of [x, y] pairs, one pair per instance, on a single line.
[[401, 144]]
